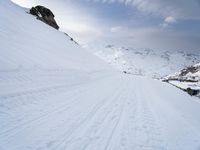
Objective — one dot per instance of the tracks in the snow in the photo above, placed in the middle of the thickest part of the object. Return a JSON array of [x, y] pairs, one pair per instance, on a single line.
[[84, 116]]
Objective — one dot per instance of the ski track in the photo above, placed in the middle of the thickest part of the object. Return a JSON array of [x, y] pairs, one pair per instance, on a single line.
[[96, 113], [105, 112]]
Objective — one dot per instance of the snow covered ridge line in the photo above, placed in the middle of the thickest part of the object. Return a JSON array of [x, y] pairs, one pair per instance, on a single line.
[[144, 61], [188, 79]]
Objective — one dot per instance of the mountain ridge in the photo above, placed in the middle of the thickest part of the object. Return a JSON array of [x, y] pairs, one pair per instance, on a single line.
[[145, 61]]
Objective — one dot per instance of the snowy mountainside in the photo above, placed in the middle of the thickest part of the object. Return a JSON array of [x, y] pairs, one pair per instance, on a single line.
[[146, 62], [54, 95], [191, 73], [32, 54], [187, 79], [29, 43]]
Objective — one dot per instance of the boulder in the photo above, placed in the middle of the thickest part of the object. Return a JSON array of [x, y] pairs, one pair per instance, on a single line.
[[44, 14], [192, 92]]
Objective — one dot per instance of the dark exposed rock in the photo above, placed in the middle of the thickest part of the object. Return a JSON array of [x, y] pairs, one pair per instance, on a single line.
[[71, 38], [34, 11], [109, 46], [190, 78], [125, 72], [44, 14], [191, 69], [192, 92]]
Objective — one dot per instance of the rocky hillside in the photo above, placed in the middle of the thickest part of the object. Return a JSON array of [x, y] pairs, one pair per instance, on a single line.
[[187, 79]]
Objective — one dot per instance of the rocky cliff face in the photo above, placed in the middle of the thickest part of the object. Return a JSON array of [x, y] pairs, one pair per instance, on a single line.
[[44, 14]]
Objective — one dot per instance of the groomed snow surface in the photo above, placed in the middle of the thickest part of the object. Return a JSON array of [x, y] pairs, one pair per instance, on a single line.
[[54, 95]]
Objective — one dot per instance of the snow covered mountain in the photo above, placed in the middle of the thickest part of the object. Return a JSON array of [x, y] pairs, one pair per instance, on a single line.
[[27, 43], [146, 62], [55, 95], [187, 79]]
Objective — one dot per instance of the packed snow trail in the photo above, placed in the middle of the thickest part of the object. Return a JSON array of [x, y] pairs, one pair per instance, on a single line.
[[54, 95], [103, 111]]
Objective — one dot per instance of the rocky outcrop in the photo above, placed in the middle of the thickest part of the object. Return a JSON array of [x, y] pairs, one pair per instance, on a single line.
[[191, 70], [192, 92], [71, 39], [189, 74], [187, 79], [44, 14]]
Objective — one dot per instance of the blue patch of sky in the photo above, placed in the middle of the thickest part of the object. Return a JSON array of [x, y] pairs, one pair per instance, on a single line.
[[188, 25], [119, 14]]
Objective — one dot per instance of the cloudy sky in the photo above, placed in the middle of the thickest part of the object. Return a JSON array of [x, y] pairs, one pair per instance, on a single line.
[[158, 24]]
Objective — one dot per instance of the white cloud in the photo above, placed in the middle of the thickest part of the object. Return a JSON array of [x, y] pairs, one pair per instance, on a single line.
[[170, 20], [183, 9], [180, 9], [86, 27], [155, 38], [80, 27], [116, 29], [83, 33]]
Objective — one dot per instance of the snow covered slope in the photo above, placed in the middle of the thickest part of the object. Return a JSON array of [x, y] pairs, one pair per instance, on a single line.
[[114, 112], [146, 62], [27, 43], [186, 79], [54, 95]]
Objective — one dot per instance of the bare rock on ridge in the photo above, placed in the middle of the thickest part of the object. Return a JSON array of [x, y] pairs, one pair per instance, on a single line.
[[44, 14]]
